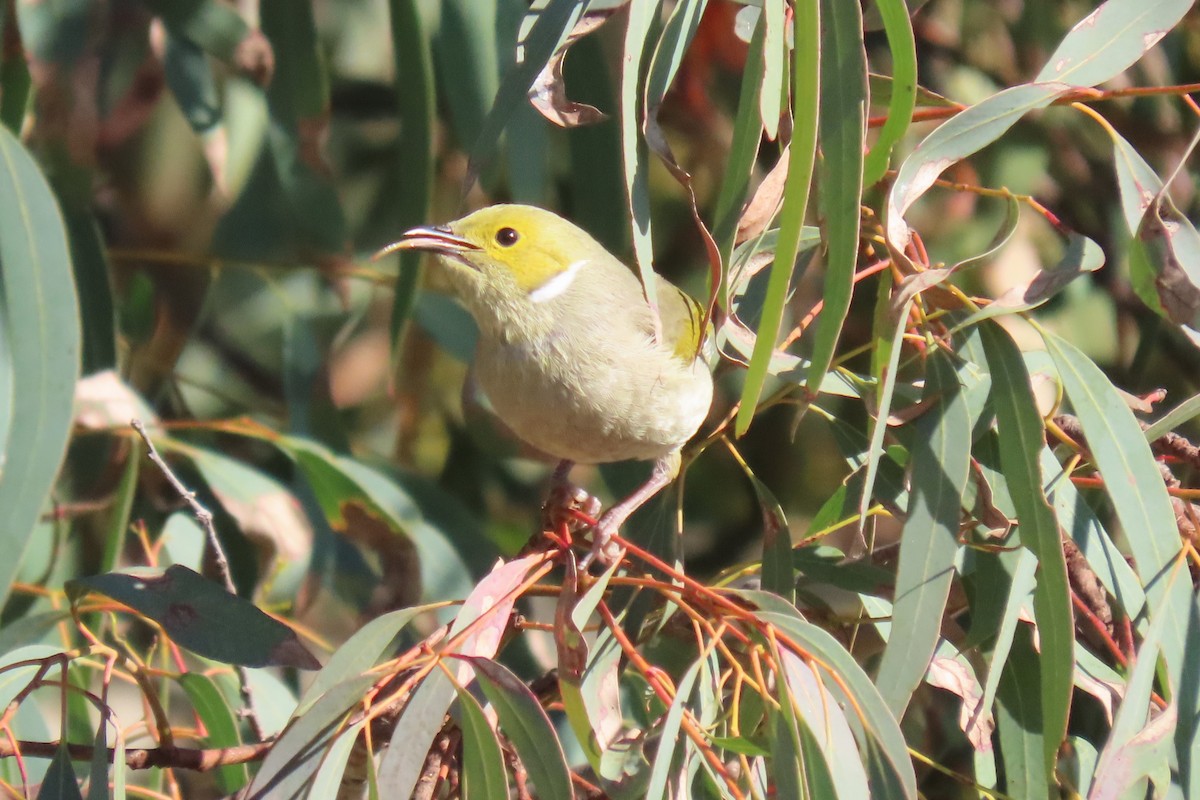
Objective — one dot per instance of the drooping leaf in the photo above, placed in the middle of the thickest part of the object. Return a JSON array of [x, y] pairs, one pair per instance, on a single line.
[[198, 614], [902, 88], [527, 727], [1019, 722], [39, 348], [928, 545], [359, 653], [1022, 438], [484, 776], [288, 769], [1135, 488], [806, 82], [843, 126], [416, 98]]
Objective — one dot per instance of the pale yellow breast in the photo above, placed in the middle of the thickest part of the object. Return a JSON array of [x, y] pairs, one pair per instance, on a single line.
[[595, 405]]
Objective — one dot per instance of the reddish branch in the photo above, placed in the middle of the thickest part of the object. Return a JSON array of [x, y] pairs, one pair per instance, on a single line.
[[1078, 96]]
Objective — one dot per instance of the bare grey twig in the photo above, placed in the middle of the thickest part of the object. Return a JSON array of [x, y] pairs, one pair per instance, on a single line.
[[205, 519]]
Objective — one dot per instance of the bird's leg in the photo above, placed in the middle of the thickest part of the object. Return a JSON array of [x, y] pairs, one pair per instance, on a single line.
[[565, 497], [604, 549]]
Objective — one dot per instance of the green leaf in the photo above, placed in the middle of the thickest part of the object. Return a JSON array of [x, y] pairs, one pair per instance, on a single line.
[[39, 348], [1178, 416], [777, 573], [60, 782], [298, 98], [1022, 438], [220, 723], [483, 774], [898, 317], [1112, 38], [1135, 487], [788, 765], [774, 62], [635, 165], [826, 727], [526, 725], [211, 24], [929, 544], [189, 76], [15, 81], [550, 28], [1081, 255], [198, 614], [89, 262], [1137, 745], [902, 94], [349, 491], [118, 524], [1019, 588], [1019, 720], [467, 56], [288, 769], [1079, 521], [665, 762], [747, 134], [967, 133], [328, 778], [1169, 245], [416, 727], [806, 83], [98, 767], [417, 105], [359, 653], [843, 127], [888, 763]]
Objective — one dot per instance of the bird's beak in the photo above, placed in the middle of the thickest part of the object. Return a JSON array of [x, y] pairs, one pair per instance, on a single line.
[[438, 239]]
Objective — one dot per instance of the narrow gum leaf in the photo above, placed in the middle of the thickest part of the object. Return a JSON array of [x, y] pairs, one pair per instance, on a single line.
[[843, 122], [940, 460], [1022, 438], [806, 87], [39, 348]]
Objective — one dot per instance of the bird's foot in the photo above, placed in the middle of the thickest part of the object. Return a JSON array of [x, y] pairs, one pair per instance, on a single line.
[[606, 549], [569, 505]]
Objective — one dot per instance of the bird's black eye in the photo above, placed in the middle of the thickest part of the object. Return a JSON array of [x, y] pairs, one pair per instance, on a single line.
[[507, 237]]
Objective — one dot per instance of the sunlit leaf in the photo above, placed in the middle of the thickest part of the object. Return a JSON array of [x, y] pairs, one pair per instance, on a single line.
[[1022, 438], [928, 546], [527, 727]]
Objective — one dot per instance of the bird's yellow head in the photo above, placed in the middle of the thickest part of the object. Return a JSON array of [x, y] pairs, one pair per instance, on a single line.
[[507, 263]]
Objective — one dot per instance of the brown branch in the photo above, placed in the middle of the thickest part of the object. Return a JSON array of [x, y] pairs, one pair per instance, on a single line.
[[179, 757]]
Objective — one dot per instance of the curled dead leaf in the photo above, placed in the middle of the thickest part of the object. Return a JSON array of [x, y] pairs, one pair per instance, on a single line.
[[765, 202], [255, 58], [549, 94], [976, 722]]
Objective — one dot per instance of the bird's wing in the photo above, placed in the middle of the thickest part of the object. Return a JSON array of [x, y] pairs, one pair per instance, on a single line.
[[682, 318]]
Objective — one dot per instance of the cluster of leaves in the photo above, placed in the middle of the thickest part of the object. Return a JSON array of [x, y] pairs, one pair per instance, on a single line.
[[180, 185]]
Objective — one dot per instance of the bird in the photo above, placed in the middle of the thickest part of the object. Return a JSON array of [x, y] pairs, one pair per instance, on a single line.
[[569, 355]]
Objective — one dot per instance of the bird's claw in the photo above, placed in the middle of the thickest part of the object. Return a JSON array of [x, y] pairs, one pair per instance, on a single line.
[[569, 505], [606, 549]]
